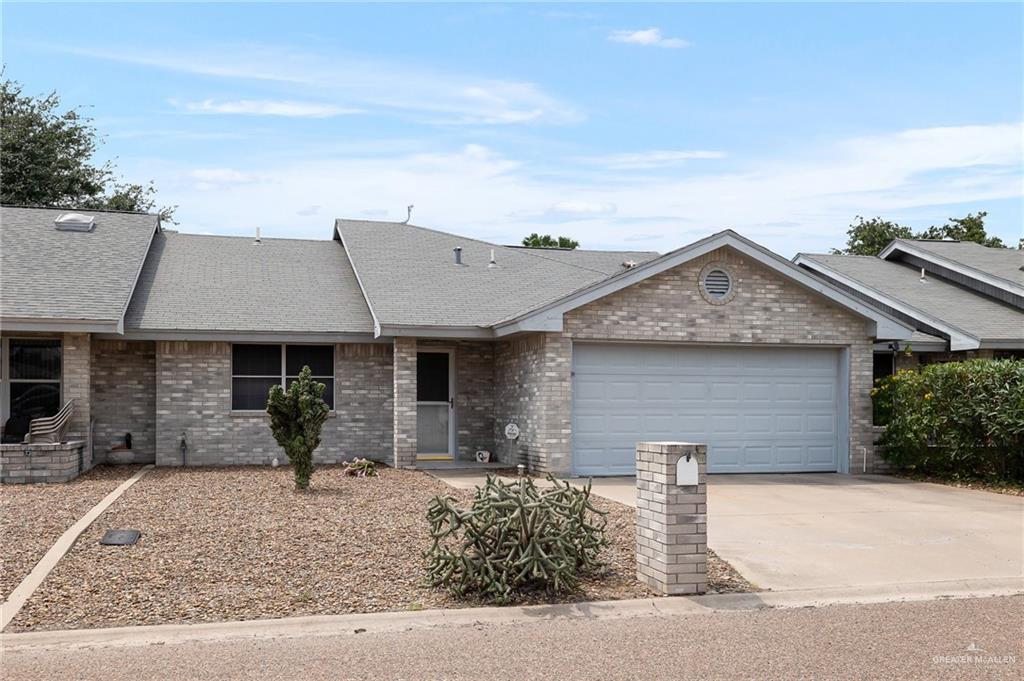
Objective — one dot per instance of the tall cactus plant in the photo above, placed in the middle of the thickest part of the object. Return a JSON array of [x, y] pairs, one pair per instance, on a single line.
[[297, 417], [516, 537]]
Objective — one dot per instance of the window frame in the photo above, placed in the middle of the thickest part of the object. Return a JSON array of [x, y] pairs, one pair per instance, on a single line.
[[284, 376], [5, 373]]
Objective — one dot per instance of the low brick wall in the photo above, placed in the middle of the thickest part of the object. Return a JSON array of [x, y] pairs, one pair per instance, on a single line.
[[28, 463]]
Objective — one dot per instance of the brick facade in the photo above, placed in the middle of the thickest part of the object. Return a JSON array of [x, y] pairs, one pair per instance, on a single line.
[[41, 462], [474, 394], [404, 404], [76, 372], [193, 399], [123, 395]]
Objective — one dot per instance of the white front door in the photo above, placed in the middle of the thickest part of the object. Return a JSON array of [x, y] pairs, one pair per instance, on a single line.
[[435, 436]]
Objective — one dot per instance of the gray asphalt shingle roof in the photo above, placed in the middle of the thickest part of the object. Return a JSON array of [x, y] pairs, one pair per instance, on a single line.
[[411, 279], [973, 313], [609, 262], [48, 274], [1005, 263], [221, 283]]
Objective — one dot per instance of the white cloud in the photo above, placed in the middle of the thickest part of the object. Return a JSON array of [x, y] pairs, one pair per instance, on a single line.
[[662, 158], [789, 202], [214, 178], [648, 36], [267, 107], [582, 208], [429, 95]]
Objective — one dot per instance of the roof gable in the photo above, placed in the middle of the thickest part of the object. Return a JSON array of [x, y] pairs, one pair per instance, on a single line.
[[991, 271], [549, 317]]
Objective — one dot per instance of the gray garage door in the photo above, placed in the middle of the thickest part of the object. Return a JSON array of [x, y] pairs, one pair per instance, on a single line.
[[760, 410]]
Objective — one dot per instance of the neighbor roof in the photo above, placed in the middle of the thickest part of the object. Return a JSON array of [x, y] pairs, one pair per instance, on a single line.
[[83, 280], [410, 280], [223, 284], [929, 300], [1006, 264], [609, 262]]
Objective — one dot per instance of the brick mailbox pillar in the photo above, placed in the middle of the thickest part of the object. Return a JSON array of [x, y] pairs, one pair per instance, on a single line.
[[671, 520]]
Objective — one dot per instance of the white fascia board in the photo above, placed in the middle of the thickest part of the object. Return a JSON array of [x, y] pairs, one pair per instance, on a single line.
[[958, 338], [958, 267], [246, 336], [468, 332], [362, 289], [60, 325], [543, 319]]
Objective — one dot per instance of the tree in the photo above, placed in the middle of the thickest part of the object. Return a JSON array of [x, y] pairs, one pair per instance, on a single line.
[[969, 228], [869, 237], [46, 159], [547, 241], [297, 417]]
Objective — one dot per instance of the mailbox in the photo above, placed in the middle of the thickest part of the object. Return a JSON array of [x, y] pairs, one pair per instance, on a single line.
[[686, 471]]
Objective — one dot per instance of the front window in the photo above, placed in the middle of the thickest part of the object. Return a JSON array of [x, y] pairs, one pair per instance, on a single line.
[[254, 368], [31, 382]]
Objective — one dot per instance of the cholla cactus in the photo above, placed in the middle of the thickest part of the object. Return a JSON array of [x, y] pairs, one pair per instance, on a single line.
[[514, 538], [360, 468]]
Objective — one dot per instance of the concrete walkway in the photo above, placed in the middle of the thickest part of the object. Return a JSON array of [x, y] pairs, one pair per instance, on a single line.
[[827, 530]]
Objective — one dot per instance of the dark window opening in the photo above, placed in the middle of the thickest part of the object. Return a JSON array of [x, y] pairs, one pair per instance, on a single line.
[[432, 377]]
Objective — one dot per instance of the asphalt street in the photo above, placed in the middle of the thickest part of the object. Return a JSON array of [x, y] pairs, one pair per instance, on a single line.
[[938, 639]]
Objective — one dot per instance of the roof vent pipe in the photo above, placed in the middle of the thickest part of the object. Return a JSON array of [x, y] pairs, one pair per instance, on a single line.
[[492, 264], [258, 241], [922, 274], [457, 253]]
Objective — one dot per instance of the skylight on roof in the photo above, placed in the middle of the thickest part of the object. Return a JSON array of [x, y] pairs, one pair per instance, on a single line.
[[75, 222]]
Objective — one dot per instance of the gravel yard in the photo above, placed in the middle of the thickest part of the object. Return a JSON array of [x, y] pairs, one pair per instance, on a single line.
[[33, 517], [239, 543]]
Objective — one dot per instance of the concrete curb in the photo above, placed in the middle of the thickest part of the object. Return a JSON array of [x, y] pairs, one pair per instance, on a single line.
[[10, 608], [335, 625]]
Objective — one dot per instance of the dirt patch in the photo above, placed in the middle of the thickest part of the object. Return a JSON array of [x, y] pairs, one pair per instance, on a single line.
[[239, 543], [33, 517], [1010, 488]]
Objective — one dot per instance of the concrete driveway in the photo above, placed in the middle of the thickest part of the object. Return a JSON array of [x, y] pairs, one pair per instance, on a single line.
[[823, 530]]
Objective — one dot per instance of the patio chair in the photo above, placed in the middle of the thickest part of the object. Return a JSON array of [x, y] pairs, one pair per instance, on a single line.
[[50, 428]]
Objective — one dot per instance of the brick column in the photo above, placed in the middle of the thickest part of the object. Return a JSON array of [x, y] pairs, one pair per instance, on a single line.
[[404, 443], [75, 378], [671, 521]]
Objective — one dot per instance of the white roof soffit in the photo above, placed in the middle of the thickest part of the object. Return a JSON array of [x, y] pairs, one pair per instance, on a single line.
[[549, 317], [966, 270], [958, 338]]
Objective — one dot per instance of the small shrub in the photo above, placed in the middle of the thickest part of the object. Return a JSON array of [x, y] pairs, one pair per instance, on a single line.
[[515, 538], [297, 416], [360, 468], [961, 419]]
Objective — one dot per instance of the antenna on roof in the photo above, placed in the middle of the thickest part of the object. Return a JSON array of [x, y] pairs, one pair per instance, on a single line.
[[408, 214]]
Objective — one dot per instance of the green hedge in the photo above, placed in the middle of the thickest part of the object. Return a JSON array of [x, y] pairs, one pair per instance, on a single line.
[[962, 419]]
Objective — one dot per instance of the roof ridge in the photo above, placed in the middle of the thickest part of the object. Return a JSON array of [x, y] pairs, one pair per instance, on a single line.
[[249, 238], [85, 210]]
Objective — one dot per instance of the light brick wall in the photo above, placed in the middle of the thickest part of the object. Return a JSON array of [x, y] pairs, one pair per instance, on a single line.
[[533, 389], [404, 405], [193, 395], [43, 462], [671, 521], [75, 376], [668, 307], [124, 398]]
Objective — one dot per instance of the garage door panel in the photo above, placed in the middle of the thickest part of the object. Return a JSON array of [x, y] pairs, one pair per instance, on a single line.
[[759, 409]]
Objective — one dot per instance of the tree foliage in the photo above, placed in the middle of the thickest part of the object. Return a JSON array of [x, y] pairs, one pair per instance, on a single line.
[[964, 419], [547, 241], [47, 159], [297, 417], [870, 237]]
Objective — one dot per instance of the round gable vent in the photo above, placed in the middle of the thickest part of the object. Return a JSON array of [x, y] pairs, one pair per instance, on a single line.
[[716, 284]]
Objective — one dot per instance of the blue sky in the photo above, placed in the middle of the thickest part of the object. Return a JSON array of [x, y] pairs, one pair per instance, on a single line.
[[624, 126]]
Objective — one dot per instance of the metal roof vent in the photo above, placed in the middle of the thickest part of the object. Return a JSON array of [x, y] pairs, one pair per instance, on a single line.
[[717, 283], [629, 264], [493, 263], [457, 255], [75, 222]]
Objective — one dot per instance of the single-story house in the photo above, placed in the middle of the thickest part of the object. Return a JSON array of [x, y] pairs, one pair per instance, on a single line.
[[431, 344], [963, 299]]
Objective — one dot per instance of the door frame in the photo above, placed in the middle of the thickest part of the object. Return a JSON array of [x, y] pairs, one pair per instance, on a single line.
[[452, 429]]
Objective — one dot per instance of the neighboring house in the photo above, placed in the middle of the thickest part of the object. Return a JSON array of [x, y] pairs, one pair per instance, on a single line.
[[963, 299], [431, 343]]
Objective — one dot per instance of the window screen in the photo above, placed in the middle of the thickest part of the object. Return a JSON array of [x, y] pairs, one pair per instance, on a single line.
[[34, 378], [255, 368], [432, 377]]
